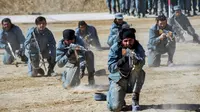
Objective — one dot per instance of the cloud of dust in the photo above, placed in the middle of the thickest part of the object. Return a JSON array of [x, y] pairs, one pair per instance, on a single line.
[[87, 88]]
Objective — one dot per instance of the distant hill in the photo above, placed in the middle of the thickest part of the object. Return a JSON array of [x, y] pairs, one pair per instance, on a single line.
[[18, 7]]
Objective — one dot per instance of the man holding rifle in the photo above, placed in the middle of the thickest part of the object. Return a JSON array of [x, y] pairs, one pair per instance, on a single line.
[[89, 34], [39, 45], [161, 40], [12, 40], [71, 53], [125, 62]]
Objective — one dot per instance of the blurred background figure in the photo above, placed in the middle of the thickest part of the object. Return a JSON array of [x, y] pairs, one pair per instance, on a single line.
[[180, 23], [115, 28], [194, 7], [141, 8], [199, 5], [115, 6], [125, 7], [132, 7], [89, 34], [109, 5], [149, 6]]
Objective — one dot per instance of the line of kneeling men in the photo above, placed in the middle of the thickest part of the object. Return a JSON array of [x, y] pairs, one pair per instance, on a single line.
[[125, 54], [40, 44], [72, 53]]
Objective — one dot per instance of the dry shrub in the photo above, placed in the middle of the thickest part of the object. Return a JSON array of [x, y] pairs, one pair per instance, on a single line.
[[9, 7]]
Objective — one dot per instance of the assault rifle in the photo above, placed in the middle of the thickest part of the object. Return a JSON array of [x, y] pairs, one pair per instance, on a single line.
[[40, 54], [76, 48], [87, 40], [133, 58], [170, 33]]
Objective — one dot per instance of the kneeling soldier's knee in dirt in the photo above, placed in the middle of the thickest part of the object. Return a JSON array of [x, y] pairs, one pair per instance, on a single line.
[[72, 54], [125, 61], [40, 45], [12, 40], [161, 40]]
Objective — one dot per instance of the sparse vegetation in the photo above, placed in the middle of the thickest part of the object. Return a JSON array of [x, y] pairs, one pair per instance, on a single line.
[[10, 7]]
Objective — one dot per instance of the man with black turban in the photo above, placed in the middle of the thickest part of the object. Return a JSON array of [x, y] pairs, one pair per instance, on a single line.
[[125, 61], [72, 54]]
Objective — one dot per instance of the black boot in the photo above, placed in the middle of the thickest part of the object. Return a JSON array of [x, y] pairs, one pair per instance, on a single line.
[[34, 73], [188, 13], [138, 15], [24, 59], [196, 39], [82, 73], [150, 12], [194, 13], [143, 15], [110, 10], [135, 99], [51, 66], [127, 12], [91, 80], [133, 13], [41, 71], [51, 72], [123, 11], [155, 11]]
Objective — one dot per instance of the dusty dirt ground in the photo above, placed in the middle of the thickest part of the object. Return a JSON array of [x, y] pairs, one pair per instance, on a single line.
[[166, 89]]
